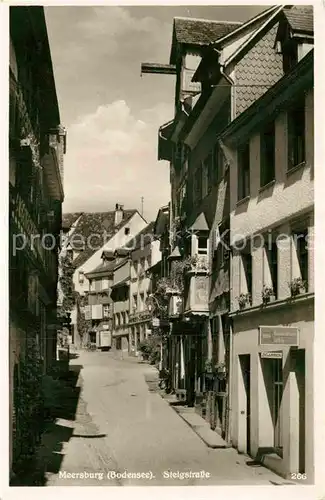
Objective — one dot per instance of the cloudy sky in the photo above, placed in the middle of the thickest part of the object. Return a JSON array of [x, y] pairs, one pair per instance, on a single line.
[[112, 114]]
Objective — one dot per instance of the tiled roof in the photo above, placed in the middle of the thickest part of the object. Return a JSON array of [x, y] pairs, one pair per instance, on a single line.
[[69, 219], [144, 237], [198, 32], [300, 18], [201, 31], [101, 226], [103, 267]]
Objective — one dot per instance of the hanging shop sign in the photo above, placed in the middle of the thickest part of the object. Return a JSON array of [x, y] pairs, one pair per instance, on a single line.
[[278, 335]]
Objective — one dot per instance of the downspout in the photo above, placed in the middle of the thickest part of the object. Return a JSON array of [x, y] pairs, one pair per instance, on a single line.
[[231, 361], [230, 81]]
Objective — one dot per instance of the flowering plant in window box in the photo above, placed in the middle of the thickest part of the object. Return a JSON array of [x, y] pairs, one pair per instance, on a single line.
[[244, 300], [267, 294], [297, 286]]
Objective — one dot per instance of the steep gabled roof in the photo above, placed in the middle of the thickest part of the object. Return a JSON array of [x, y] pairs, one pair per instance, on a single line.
[[99, 226], [198, 32], [300, 18]]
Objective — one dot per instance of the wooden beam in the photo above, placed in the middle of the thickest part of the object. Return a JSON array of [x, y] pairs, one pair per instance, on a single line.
[[156, 68]]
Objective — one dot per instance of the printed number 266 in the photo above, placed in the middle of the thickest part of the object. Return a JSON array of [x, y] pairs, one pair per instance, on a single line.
[[298, 475]]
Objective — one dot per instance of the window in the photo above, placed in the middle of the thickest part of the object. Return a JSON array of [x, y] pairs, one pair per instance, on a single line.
[[223, 249], [202, 245], [81, 277], [127, 231], [106, 310], [98, 285], [268, 154], [243, 172], [301, 243], [218, 163], [272, 255], [141, 301], [247, 265], [296, 135]]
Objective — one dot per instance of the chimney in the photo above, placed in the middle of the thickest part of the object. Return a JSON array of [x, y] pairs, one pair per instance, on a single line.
[[118, 214]]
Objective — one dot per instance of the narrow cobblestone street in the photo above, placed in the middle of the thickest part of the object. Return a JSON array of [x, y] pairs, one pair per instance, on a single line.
[[122, 426]]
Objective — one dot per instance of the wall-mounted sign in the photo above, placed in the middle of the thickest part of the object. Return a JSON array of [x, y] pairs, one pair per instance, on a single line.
[[281, 335], [272, 354]]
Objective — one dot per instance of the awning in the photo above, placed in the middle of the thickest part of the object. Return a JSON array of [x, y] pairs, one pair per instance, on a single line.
[[164, 144]]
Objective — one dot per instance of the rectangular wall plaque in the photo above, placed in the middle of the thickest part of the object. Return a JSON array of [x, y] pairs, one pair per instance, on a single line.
[[281, 335]]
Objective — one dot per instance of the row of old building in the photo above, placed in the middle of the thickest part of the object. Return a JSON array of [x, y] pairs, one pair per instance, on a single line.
[[113, 280], [224, 276], [37, 144], [237, 238]]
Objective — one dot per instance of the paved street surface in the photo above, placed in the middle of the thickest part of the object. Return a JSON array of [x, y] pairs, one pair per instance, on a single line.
[[120, 427]]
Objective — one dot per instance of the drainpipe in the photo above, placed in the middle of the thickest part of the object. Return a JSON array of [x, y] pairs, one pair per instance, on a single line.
[[230, 81]]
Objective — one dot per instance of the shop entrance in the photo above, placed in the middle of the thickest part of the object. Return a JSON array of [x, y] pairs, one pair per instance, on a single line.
[[245, 410]]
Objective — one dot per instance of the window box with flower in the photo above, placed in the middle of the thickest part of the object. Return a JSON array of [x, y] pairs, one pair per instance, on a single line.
[[268, 294], [244, 300], [297, 286]]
